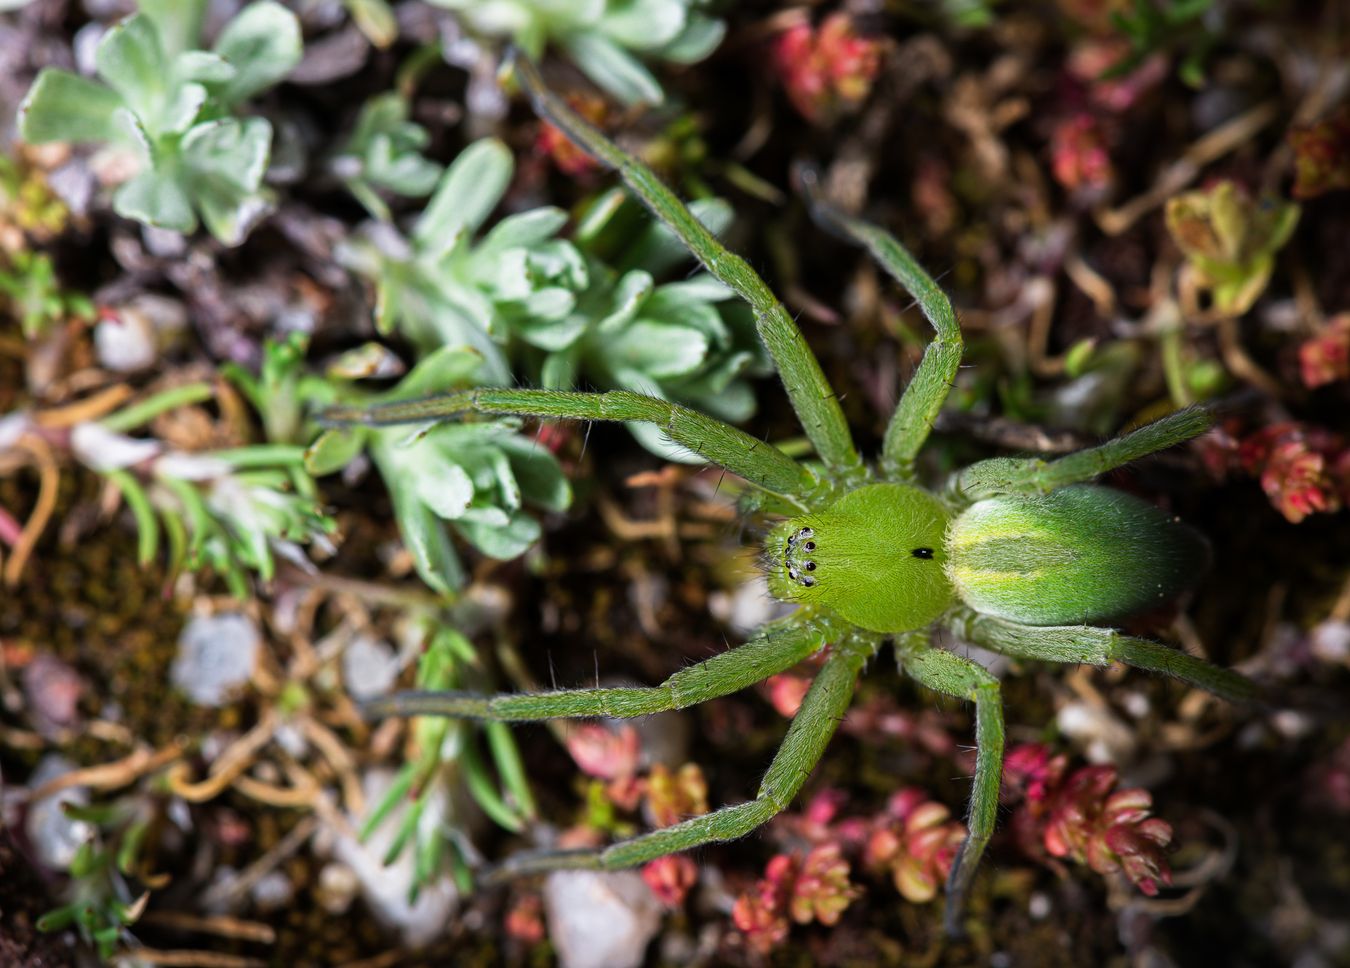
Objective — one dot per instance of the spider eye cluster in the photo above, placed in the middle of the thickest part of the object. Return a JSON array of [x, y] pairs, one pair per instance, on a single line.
[[800, 544]]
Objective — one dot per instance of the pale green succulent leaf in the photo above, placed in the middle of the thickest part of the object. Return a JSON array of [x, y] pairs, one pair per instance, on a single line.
[[504, 541], [613, 68], [469, 190], [131, 60], [700, 37], [263, 45], [62, 106], [155, 199], [177, 22]]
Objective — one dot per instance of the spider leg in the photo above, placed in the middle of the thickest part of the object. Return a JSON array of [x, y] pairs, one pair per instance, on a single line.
[[923, 398], [1009, 475], [773, 649], [825, 704], [760, 463], [953, 675], [1101, 647], [812, 396]]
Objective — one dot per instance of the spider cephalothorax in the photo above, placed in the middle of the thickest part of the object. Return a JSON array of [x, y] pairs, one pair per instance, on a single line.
[[875, 557], [1015, 555]]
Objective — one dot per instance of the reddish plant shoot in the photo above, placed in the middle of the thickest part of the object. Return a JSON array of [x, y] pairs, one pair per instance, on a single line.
[[670, 878], [916, 843], [1321, 156], [1326, 357], [828, 70], [1083, 817], [1079, 156]]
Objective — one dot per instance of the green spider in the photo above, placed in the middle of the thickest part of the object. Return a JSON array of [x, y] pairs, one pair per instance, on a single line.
[[1015, 555]]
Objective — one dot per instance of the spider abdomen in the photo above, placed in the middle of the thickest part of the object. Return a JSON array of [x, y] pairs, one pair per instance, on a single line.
[[1076, 555]]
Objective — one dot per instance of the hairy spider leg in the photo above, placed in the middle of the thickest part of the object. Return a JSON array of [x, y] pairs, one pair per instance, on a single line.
[[821, 711], [772, 649], [760, 463], [927, 391], [1011, 475], [811, 395], [1100, 647], [953, 675]]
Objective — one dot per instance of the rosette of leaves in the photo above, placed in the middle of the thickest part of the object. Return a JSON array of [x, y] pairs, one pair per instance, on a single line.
[[170, 103], [475, 479], [686, 340], [30, 289], [438, 286], [607, 39], [232, 511], [557, 313], [1230, 240], [384, 154]]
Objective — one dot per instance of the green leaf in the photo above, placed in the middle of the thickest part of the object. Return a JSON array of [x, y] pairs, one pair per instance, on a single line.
[[423, 534], [643, 24], [501, 541], [396, 793], [442, 369], [177, 116], [147, 525], [155, 199], [263, 45], [469, 190], [524, 229], [131, 60], [541, 477], [614, 69], [203, 67], [178, 23], [440, 483], [225, 161], [66, 107], [632, 290], [333, 450], [699, 39], [657, 349]]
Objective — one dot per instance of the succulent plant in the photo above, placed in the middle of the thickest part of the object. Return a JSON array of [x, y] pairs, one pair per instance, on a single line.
[[607, 39], [170, 104]]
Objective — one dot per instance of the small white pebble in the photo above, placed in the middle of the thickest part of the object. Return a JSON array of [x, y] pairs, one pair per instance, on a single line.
[[54, 835], [216, 654], [1136, 704], [369, 667], [600, 919], [1330, 642], [386, 888], [272, 891], [1291, 724], [1039, 906], [338, 887]]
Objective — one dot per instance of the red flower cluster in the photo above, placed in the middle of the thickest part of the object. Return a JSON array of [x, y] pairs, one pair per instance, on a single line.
[[670, 878], [1082, 816], [1326, 357], [1321, 156], [612, 754], [815, 887], [913, 840], [1302, 469], [1079, 157], [828, 70], [917, 844]]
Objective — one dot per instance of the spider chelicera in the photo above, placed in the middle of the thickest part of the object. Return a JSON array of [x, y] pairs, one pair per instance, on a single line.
[[1015, 555]]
